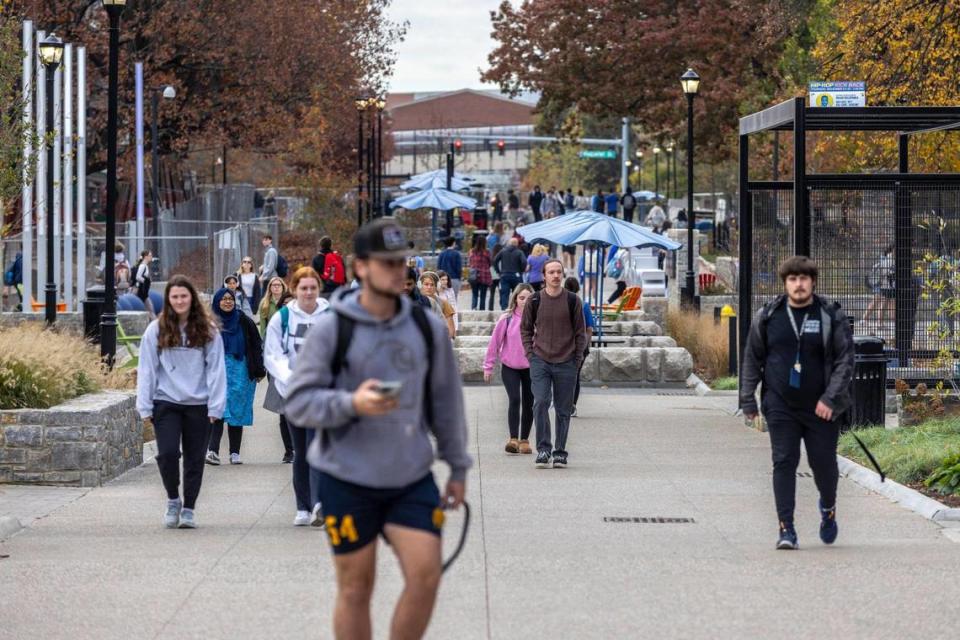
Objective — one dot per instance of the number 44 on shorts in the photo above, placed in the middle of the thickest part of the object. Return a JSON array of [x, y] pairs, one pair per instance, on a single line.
[[347, 530]]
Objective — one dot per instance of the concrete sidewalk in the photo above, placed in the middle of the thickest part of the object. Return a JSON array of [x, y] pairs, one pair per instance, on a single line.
[[541, 559]]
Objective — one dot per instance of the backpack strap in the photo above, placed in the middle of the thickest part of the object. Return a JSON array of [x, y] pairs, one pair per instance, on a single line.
[[345, 326], [571, 306], [423, 324], [284, 328]]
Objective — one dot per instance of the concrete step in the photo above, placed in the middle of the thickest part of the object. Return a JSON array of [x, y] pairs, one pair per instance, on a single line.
[[629, 341], [626, 366], [619, 328]]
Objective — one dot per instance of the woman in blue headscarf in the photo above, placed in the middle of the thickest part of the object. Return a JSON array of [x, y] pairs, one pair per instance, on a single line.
[[243, 358]]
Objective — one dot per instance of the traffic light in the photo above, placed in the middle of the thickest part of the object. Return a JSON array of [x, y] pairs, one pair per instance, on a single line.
[[501, 147], [458, 145]]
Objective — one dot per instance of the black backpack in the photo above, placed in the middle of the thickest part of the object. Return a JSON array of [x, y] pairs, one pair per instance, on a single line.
[[345, 326], [282, 267]]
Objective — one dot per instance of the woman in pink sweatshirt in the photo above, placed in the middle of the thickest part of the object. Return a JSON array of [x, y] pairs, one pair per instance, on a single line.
[[505, 346]]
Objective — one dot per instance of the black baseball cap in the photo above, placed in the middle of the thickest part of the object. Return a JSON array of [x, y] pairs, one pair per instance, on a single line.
[[382, 238]]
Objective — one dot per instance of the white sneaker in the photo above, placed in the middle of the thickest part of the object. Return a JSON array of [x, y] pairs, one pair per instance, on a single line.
[[302, 519], [212, 458], [171, 517], [316, 518], [235, 458]]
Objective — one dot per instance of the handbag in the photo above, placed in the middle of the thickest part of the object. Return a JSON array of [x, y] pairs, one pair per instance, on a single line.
[[473, 275]]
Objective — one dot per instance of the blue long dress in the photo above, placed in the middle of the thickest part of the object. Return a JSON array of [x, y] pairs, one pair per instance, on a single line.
[[240, 388], [240, 392]]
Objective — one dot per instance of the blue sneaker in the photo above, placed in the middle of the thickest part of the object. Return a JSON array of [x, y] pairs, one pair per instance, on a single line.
[[828, 524], [788, 537], [171, 516], [187, 520]]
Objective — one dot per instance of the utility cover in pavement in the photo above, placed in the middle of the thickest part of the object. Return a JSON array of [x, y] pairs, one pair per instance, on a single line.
[[639, 520]]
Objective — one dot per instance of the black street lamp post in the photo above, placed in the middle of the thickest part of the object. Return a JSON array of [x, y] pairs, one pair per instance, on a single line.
[[639, 155], [669, 151], [51, 51], [690, 82], [169, 93], [381, 105], [108, 320], [361, 105]]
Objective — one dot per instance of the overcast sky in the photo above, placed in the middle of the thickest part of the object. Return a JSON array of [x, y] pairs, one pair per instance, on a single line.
[[446, 43]]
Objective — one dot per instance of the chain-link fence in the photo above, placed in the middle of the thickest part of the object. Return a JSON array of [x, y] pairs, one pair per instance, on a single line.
[[887, 250]]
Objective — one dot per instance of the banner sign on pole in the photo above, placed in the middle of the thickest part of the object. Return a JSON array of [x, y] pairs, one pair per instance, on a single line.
[[838, 94]]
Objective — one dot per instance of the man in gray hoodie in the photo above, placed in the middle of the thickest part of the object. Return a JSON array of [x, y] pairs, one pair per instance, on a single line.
[[377, 378]]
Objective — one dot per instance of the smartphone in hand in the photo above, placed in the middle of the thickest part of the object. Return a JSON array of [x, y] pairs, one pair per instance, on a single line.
[[389, 389]]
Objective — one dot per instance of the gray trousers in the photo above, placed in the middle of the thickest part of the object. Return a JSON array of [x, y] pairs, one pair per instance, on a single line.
[[556, 383]]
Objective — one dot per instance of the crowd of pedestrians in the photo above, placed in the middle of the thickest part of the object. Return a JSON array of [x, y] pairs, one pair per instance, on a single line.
[[363, 379], [377, 381]]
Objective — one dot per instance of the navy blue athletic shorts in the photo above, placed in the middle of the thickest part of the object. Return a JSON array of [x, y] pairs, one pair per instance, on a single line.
[[354, 515]]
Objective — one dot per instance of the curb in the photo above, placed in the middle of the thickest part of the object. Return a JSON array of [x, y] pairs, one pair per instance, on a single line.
[[9, 526], [896, 492]]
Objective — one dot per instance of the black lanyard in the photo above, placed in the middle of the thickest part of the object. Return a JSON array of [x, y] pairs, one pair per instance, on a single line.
[[793, 324]]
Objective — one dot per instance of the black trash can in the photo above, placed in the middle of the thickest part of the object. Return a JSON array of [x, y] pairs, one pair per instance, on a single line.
[[869, 382], [92, 310]]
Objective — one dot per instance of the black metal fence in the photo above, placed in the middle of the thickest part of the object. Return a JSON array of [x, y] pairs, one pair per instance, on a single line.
[[888, 249]]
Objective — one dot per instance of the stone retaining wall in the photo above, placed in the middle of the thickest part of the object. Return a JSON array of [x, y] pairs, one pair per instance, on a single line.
[[83, 443], [632, 366], [134, 322]]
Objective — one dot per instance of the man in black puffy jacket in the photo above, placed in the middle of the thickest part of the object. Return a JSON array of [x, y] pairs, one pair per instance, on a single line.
[[800, 348]]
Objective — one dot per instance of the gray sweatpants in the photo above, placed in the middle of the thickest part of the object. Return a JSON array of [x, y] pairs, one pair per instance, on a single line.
[[556, 383]]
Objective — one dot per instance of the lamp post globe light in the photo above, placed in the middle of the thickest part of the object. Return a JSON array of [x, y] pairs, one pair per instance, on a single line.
[[108, 320], [168, 93], [51, 52], [690, 82]]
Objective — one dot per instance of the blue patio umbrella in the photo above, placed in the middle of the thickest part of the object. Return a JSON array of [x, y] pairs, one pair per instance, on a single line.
[[586, 227], [434, 198], [458, 182], [589, 226]]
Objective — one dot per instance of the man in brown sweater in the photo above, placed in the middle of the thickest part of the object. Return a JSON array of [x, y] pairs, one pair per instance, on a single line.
[[554, 338]]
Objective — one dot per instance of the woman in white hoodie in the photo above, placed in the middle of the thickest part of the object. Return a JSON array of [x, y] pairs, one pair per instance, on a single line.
[[286, 332]]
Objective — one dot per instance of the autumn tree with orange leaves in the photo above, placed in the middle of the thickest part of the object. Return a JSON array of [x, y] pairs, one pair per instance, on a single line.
[[248, 73]]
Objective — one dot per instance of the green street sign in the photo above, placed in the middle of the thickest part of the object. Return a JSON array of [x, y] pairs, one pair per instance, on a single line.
[[608, 154]]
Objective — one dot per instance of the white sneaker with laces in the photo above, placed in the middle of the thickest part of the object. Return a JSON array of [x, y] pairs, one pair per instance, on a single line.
[[235, 458], [212, 458], [302, 519]]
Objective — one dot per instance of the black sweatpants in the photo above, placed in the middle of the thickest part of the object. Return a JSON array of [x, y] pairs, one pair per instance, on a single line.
[[304, 482], [177, 425], [234, 436], [520, 410], [787, 428], [285, 435]]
